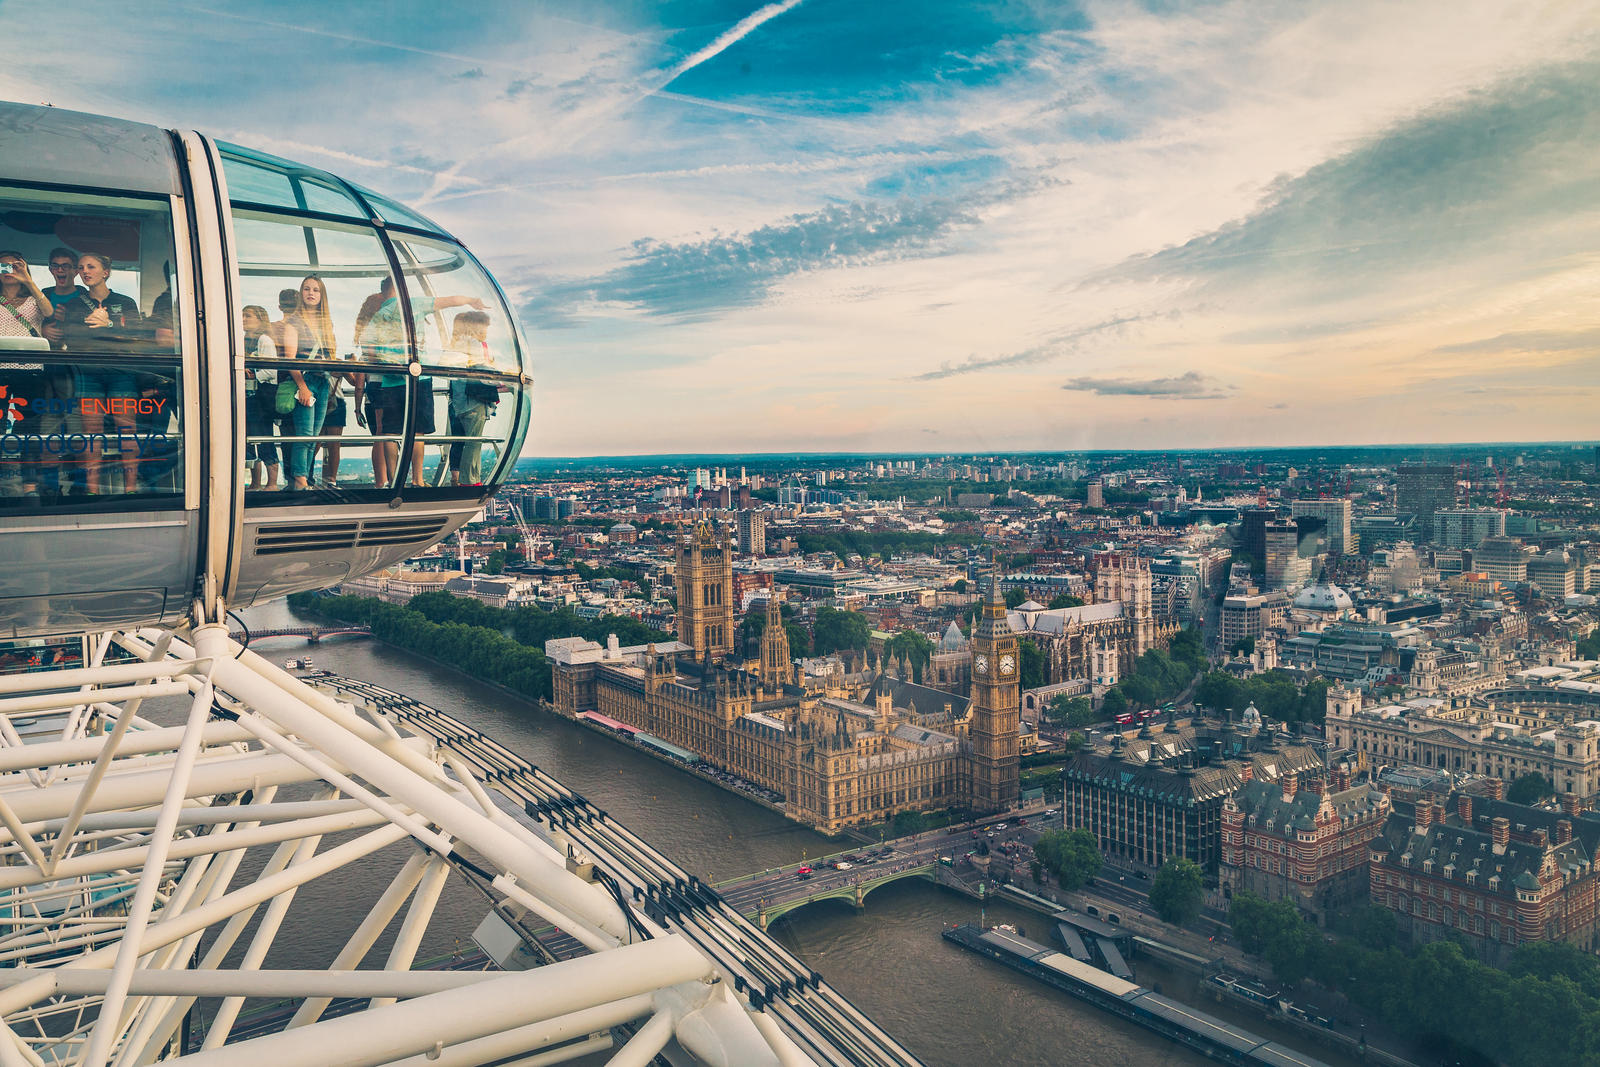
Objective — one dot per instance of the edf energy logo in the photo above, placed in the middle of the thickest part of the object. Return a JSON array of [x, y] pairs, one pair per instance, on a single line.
[[17, 441], [10, 406]]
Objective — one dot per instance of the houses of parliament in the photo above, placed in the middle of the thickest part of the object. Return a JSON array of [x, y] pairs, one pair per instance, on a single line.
[[856, 750]]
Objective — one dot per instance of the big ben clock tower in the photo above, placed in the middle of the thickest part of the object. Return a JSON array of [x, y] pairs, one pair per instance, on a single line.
[[996, 709]]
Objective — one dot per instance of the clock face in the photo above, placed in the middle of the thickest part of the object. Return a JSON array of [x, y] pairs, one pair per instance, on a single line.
[[1008, 663], [981, 664]]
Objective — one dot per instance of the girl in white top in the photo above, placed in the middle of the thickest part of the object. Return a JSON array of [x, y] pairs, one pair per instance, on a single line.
[[23, 307]]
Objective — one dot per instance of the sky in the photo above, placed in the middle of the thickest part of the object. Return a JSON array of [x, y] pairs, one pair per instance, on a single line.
[[820, 225]]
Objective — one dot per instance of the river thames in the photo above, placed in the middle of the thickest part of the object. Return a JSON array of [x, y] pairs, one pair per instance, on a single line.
[[948, 1006]]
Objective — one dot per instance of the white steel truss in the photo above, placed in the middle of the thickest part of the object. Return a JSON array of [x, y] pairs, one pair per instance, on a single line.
[[162, 809]]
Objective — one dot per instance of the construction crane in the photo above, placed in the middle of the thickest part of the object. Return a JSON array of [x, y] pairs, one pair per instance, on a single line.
[[531, 544]]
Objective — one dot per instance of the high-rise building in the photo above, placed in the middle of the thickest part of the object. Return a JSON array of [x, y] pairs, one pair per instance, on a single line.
[[1096, 493], [996, 708], [1334, 512], [1465, 527], [704, 577], [1284, 566], [1424, 488], [752, 533], [1255, 536]]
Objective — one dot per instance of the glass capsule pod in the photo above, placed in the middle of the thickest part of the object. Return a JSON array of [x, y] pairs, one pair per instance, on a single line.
[[227, 377]]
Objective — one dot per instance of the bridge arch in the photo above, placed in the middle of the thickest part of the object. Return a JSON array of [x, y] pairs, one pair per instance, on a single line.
[[853, 893]]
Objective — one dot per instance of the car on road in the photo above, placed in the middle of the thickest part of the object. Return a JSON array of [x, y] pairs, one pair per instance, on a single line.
[[999, 826], [1052, 811], [1142, 874], [803, 872], [842, 866]]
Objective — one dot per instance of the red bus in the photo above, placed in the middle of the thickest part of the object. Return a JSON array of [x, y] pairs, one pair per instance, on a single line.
[[1125, 719]]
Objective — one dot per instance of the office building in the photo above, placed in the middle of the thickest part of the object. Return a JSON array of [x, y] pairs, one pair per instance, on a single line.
[[1424, 488], [1501, 558], [1465, 527], [1252, 615], [1335, 513], [1284, 567]]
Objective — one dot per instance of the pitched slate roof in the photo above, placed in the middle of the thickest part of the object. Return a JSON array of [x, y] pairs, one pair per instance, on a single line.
[[1456, 849], [1264, 802]]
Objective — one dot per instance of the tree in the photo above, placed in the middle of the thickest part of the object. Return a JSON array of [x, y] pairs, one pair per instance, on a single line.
[[1113, 703], [1188, 648], [1032, 664], [1071, 854], [1178, 891], [1219, 691], [1530, 789], [1374, 927], [1015, 597], [1245, 646], [960, 586], [1076, 712], [496, 563], [837, 631], [1065, 600]]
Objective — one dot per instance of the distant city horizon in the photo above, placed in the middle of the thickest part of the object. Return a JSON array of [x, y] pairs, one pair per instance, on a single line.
[[701, 458]]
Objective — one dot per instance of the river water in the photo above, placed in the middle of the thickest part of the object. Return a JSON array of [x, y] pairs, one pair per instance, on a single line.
[[947, 1005]]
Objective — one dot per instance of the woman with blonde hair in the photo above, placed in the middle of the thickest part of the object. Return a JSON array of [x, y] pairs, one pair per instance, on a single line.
[[308, 334]]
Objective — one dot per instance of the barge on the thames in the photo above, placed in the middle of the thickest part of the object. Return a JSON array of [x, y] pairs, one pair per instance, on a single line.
[[1205, 1034]]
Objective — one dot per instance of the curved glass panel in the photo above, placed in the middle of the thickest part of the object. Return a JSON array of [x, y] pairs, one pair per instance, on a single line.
[[256, 178], [397, 214], [472, 329], [310, 290], [89, 345], [463, 428]]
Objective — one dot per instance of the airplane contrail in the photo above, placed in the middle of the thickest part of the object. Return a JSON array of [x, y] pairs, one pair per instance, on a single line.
[[740, 30]]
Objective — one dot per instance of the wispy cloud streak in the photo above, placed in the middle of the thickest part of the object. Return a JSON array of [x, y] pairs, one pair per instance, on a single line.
[[741, 29]]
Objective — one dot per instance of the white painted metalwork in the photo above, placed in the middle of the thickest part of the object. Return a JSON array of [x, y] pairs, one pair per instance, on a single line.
[[168, 809]]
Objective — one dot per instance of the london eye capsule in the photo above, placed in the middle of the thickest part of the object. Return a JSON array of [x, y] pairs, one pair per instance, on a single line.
[[227, 377]]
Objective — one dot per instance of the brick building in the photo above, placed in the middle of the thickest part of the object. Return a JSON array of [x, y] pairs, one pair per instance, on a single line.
[[1305, 843], [1489, 873]]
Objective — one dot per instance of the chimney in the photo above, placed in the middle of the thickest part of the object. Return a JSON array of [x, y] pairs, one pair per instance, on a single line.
[[1570, 804], [1291, 785], [1424, 816], [1318, 786], [1464, 809], [1500, 830], [1247, 771], [1341, 780], [1563, 832], [1541, 837], [1497, 788]]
